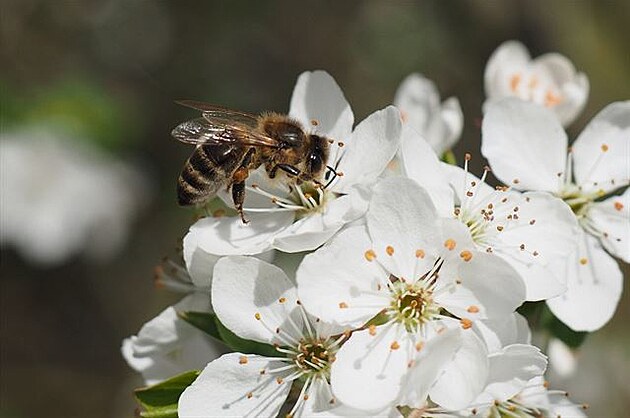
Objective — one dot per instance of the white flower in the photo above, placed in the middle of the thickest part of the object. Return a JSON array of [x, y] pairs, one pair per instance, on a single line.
[[258, 302], [299, 218], [439, 123], [527, 149], [549, 80], [410, 268], [61, 198], [168, 345], [515, 387], [528, 230], [533, 401]]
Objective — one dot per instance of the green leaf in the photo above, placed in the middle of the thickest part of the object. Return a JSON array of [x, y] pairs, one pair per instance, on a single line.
[[205, 321], [244, 346], [160, 400], [210, 324], [558, 329]]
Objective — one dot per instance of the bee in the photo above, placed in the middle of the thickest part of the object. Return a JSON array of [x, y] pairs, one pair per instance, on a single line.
[[230, 143]]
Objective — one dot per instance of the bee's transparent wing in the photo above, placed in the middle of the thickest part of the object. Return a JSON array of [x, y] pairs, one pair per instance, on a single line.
[[220, 125]]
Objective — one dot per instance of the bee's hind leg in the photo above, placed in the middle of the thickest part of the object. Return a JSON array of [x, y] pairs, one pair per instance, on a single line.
[[238, 184], [238, 197]]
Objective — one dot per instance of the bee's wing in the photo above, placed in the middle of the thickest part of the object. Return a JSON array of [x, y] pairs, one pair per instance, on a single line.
[[210, 111], [201, 131], [220, 125]]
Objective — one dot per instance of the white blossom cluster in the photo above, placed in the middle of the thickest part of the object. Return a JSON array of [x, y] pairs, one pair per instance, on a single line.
[[410, 269]]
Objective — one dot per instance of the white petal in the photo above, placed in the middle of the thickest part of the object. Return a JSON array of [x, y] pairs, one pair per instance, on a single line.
[[418, 100], [198, 262], [168, 345], [611, 217], [465, 375], [562, 359], [525, 145], [500, 332], [512, 368], [530, 247], [402, 218], [453, 119], [419, 104], [488, 283], [594, 283], [224, 387], [338, 284], [229, 236], [600, 153], [245, 288], [574, 87], [315, 229], [422, 165], [370, 360], [371, 147], [509, 56], [317, 97]]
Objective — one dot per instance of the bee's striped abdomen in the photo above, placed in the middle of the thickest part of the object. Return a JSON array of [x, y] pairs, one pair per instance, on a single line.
[[208, 169]]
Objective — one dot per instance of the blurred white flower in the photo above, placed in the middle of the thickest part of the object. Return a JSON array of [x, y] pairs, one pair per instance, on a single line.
[[61, 198], [527, 149], [562, 359], [440, 124], [407, 268], [303, 217], [528, 230], [549, 80], [262, 305]]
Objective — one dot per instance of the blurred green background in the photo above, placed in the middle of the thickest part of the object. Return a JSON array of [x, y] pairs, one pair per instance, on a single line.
[[113, 69]]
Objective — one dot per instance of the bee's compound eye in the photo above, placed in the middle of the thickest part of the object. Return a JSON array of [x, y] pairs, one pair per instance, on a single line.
[[315, 162]]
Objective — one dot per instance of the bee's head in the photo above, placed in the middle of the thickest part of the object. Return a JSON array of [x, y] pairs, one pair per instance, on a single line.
[[317, 155]]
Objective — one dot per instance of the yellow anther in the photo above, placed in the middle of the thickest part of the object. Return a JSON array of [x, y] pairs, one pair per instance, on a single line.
[[604, 147], [419, 345], [343, 305], [257, 316], [466, 255], [618, 206], [420, 254], [370, 255], [515, 80], [372, 330], [394, 345], [473, 309], [450, 244], [249, 395], [466, 323], [282, 300], [389, 250], [583, 261], [242, 360], [552, 99], [279, 380]]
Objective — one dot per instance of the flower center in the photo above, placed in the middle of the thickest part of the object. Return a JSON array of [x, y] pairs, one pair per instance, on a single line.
[[535, 87], [412, 305], [314, 356], [311, 197]]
